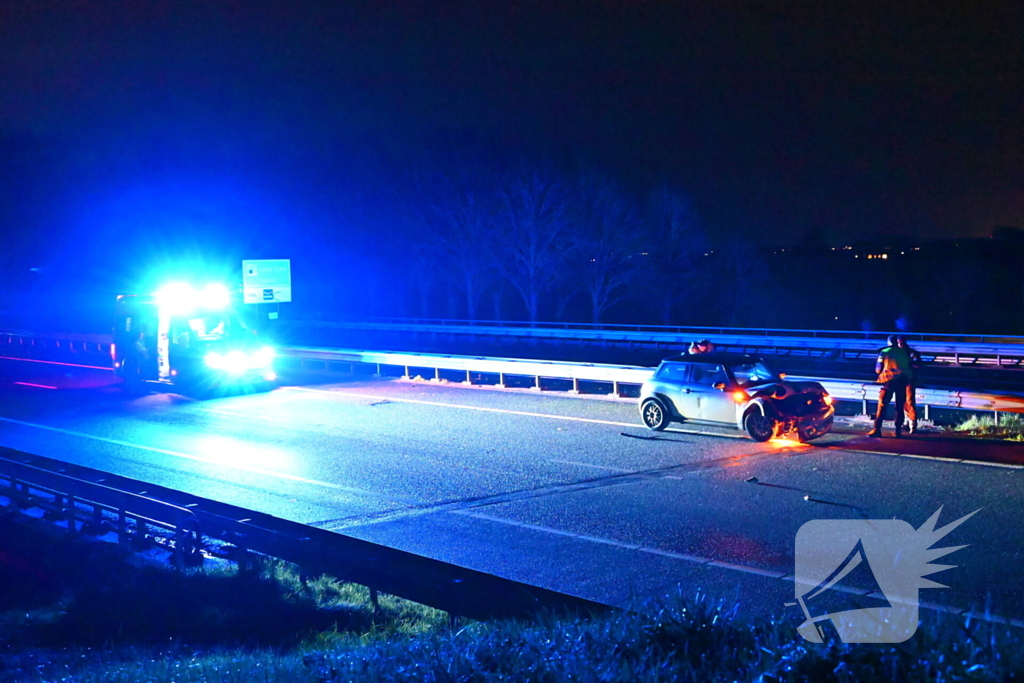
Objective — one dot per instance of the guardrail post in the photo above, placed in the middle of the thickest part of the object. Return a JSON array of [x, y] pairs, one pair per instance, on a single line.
[[575, 386], [536, 383], [17, 491], [615, 389], [122, 525], [995, 417], [94, 527], [469, 379], [406, 375], [69, 515], [187, 544], [501, 380]]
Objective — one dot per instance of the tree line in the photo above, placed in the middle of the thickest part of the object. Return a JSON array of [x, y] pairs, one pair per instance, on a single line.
[[540, 245]]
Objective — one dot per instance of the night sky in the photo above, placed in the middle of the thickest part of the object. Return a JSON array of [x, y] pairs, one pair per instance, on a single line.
[[780, 119]]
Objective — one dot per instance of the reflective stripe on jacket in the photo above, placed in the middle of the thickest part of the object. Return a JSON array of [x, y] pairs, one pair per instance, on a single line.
[[892, 362]]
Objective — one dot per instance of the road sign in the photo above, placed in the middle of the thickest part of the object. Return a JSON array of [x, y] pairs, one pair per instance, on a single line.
[[268, 281]]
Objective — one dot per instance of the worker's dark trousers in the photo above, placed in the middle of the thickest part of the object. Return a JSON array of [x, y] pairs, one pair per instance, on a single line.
[[895, 390]]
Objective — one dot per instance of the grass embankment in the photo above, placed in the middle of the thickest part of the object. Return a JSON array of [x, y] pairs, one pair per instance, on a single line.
[[72, 611], [1010, 427]]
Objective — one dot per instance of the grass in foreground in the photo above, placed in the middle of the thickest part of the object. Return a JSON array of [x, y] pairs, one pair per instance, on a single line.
[[82, 613], [1010, 427]]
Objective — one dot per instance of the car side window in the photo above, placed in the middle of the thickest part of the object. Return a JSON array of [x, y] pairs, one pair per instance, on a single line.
[[673, 372], [708, 375]]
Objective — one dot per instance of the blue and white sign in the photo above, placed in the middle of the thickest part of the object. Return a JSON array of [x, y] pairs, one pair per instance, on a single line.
[[267, 281]]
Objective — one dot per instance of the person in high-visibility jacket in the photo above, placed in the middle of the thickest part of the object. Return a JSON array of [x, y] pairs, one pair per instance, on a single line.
[[894, 371], [910, 407]]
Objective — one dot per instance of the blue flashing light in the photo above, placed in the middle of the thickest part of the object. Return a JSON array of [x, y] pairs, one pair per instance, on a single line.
[[177, 298], [181, 298], [214, 297]]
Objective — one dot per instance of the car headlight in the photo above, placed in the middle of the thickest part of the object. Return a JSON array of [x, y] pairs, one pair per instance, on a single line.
[[238, 362], [262, 358], [827, 399]]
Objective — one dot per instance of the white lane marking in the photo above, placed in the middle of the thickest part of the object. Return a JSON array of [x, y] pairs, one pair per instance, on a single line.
[[481, 409], [440, 404], [694, 559], [568, 418], [189, 456], [933, 458], [37, 386]]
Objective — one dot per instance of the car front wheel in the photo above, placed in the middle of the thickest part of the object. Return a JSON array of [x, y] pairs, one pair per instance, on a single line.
[[759, 427], [654, 415]]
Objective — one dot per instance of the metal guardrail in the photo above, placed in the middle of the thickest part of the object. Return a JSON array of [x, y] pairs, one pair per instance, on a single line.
[[29, 343], [93, 507], [953, 350], [690, 332], [89, 501], [617, 375]]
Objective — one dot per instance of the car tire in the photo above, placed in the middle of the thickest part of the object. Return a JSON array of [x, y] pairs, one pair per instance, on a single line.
[[760, 427], [804, 436], [654, 415]]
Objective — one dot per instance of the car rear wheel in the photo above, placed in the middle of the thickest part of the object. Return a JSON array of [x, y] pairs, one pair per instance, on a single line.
[[759, 427], [654, 415]]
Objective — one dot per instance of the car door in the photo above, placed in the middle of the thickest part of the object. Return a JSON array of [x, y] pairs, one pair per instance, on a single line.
[[711, 404], [674, 382]]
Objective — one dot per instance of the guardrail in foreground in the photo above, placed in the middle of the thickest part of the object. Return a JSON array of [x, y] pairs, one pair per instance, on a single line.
[[88, 501]]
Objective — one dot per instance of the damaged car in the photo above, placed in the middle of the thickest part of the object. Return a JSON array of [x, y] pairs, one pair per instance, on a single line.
[[734, 390]]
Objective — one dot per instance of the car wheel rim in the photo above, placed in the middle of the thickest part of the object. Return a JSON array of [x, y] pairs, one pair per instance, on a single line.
[[652, 414], [761, 425]]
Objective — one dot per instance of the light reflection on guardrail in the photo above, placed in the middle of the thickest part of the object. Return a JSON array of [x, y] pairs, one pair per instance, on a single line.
[[618, 375], [615, 375]]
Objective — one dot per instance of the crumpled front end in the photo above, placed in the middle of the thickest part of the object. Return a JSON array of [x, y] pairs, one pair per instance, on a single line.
[[804, 408]]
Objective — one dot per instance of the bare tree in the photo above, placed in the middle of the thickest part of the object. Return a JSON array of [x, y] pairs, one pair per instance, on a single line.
[[609, 245], [461, 219], [534, 236], [676, 244], [452, 214]]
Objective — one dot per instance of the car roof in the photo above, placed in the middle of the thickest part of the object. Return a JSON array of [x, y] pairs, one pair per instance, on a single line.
[[713, 358]]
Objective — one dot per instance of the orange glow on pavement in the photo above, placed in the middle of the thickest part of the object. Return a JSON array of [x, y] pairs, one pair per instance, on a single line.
[[779, 442]]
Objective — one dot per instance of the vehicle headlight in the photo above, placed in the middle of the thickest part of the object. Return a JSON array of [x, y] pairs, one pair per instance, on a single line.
[[262, 358], [827, 399], [214, 360], [236, 362]]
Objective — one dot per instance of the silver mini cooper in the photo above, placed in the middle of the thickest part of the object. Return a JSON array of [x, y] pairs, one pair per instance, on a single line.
[[735, 390]]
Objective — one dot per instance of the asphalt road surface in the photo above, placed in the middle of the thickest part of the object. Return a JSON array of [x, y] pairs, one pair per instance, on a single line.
[[571, 494]]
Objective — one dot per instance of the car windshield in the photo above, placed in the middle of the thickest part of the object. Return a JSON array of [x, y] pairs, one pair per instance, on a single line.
[[749, 374]]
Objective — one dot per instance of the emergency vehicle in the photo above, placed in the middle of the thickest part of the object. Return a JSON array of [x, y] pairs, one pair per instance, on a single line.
[[188, 336]]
